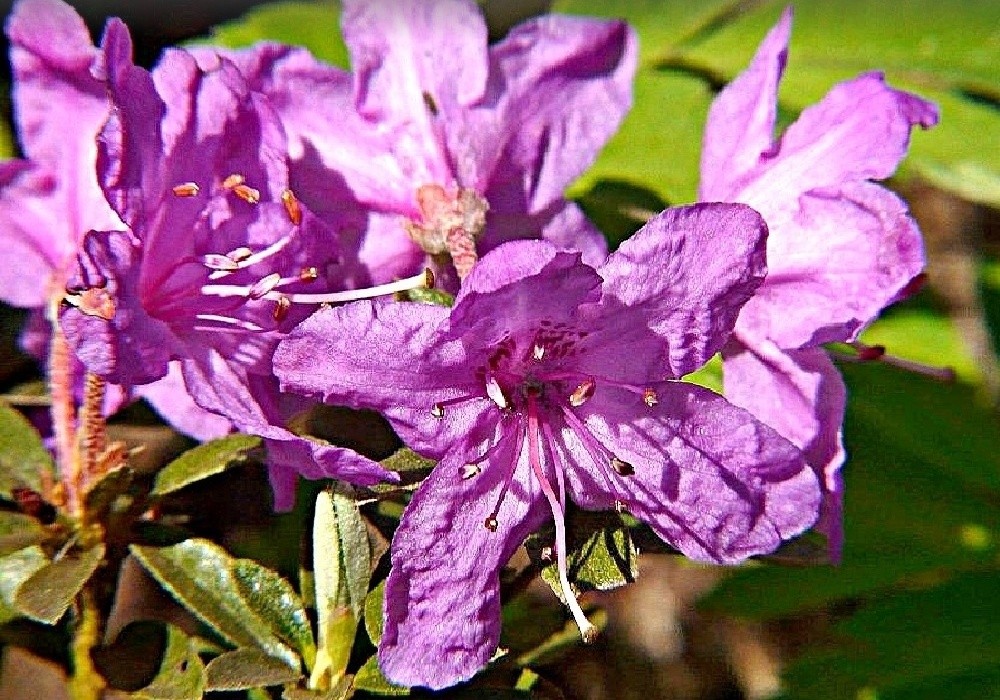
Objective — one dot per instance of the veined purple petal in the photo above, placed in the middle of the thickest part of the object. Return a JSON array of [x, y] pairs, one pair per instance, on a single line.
[[170, 397], [710, 479], [442, 597], [800, 394], [688, 272]]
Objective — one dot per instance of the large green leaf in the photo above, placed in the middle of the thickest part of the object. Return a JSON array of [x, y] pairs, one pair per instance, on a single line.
[[199, 574], [243, 669], [15, 569], [371, 679], [23, 457], [48, 592], [658, 146], [603, 557], [203, 461], [18, 531], [374, 622], [314, 25], [274, 599], [182, 673], [907, 639], [944, 50], [922, 486]]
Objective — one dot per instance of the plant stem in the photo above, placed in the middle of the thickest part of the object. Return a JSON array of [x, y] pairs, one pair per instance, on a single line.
[[86, 683]]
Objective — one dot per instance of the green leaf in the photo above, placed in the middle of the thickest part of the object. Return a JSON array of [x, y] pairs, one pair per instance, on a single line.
[[247, 668], [342, 570], [100, 498], [277, 603], [438, 297], [559, 642], [923, 485], [48, 592], [909, 638], [605, 560], [374, 622], [709, 375], [313, 25], [182, 673], [199, 574], [23, 457], [662, 25], [371, 679], [944, 50], [657, 148], [15, 569], [202, 462], [18, 531]]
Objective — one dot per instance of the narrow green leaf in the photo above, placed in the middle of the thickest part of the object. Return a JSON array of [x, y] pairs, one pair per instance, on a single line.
[[374, 623], [23, 457], [313, 25], [199, 574], [203, 461], [182, 673], [247, 668], [371, 679], [559, 642], [341, 566], [18, 531], [48, 592], [15, 569], [277, 603]]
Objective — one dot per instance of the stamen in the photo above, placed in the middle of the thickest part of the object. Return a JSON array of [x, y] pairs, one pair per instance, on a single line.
[[186, 189], [470, 470], [622, 467], [248, 194], [495, 392], [264, 285], [292, 208], [587, 630], [241, 258], [649, 397], [513, 456], [538, 352], [425, 280], [546, 553], [491, 523], [430, 104], [869, 353], [308, 274], [281, 307], [437, 410], [232, 323], [582, 393], [620, 506], [232, 181]]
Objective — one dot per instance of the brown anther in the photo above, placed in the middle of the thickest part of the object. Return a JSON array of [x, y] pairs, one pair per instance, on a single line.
[[589, 635], [95, 301], [232, 181], [437, 410], [538, 352], [491, 524], [292, 207], [470, 470], [265, 285], [547, 553], [649, 397], [430, 104], [308, 274], [186, 189], [582, 393], [239, 254], [281, 307], [247, 194], [622, 467], [620, 507], [428, 278]]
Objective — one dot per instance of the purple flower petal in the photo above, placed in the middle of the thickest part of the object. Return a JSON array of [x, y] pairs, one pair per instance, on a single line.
[[170, 397], [688, 272], [442, 597], [709, 478], [801, 395]]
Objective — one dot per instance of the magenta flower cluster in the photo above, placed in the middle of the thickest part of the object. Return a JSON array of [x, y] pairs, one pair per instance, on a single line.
[[223, 235]]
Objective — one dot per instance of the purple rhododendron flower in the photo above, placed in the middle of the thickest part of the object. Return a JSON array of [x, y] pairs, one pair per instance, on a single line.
[[50, 200], [217, 253], [453, 146], [840, 248], [550, 380]]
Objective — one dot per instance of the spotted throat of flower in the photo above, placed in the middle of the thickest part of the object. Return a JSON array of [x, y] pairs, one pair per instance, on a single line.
[[450, 225], [533, 382]]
